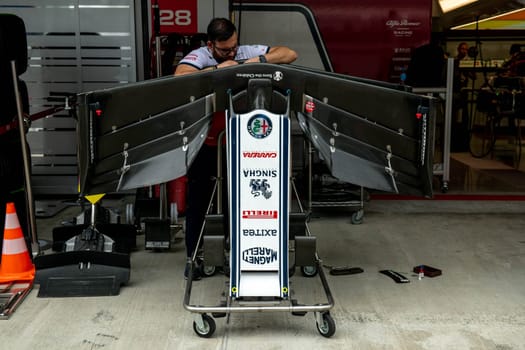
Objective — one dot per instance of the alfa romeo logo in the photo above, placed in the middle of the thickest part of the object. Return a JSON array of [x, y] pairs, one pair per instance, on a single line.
[[259, 126]]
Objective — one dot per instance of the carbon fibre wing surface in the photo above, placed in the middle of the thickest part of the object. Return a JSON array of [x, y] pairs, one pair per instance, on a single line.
[[372, 134]]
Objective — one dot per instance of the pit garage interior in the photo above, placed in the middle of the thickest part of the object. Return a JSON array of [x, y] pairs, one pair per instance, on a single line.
[[471, 230]]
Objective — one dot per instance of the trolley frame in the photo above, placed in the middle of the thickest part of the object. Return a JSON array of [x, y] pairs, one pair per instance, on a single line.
[[203, 324]]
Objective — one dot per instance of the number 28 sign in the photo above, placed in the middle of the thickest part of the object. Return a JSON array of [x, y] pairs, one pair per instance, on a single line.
[[178, 16]]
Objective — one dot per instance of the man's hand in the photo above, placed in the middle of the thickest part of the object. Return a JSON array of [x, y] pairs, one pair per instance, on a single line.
[[277, 54]]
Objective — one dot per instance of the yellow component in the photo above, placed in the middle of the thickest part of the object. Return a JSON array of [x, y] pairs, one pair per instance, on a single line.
[[285, 290], [94, 198], [234, 289]]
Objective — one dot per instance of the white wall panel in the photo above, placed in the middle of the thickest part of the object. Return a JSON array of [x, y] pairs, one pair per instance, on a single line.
[[73, 46]]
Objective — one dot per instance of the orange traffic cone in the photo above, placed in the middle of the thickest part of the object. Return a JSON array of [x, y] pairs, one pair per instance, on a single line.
[[16, 263]]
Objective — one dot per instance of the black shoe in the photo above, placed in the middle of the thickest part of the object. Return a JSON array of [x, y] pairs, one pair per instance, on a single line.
[[196, 275]]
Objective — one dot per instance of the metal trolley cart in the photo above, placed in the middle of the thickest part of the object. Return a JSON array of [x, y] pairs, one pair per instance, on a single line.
[[125, 143], [261, 224]]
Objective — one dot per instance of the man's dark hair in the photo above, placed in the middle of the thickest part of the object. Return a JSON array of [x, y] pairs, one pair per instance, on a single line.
[[220, 29]]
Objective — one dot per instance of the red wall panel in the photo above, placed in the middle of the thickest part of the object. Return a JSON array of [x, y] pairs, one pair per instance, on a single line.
[[372, 38]]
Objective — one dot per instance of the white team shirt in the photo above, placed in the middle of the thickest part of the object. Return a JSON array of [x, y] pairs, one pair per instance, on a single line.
[[202, 57]]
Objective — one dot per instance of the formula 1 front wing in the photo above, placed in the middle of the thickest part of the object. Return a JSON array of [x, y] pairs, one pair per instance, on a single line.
[[369, 133]]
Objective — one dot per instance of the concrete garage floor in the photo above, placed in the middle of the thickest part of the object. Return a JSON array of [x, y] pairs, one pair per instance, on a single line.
[[478, 302]]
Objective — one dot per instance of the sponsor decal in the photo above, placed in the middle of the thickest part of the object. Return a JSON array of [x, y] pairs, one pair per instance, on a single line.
[[259, 255], [405, 50], [259, 232], [254, 75], [259, 172], [191, 57], [259, 126], [309, 107], [259, 214], [259, 154], [260, 187], [278, 76], [402, 27], [392, 23]]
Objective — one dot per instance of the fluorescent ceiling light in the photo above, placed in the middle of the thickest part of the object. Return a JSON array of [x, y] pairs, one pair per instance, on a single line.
[[472, 25], [449, 5]]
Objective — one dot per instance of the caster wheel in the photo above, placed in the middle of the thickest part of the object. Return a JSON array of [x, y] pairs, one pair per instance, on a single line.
[[208, 271], [327, 326], [130, 214], [206, 329], [357, 217], [309, 271]]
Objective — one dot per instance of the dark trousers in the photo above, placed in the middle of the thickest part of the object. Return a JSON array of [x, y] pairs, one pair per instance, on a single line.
[[201, 180]]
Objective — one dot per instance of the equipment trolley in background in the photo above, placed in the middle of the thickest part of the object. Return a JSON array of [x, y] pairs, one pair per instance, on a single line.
[[325, 191]]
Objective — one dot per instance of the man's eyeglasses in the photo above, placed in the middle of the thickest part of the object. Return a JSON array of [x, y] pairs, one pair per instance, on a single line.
[[225, 52]]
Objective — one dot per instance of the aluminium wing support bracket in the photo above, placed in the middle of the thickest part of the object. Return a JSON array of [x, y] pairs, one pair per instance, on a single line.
[[125, 167], [388, 169], [185, 144], [332, 139]]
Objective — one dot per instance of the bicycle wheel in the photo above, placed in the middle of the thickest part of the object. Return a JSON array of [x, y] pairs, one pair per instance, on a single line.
[[481, 134]]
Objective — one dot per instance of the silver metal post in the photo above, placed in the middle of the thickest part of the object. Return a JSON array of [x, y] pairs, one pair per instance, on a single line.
[[310, 173], [35, 247], [156, 30], [93, 214], [163, 201], [219, 172], [448, 120], [157, 56], [163, 194]]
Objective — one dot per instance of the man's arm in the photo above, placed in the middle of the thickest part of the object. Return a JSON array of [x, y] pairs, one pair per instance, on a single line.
[[188, 69], [185, 69], [277, 54]]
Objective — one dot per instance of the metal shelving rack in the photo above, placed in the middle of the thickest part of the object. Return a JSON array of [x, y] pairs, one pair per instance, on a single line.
[[443, 168]]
